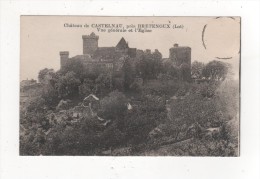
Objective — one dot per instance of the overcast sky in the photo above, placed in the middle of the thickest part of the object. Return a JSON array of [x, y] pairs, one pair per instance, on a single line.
[[43, 37]]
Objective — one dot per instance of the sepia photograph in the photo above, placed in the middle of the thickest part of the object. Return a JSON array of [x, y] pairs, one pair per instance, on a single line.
[[129, 86]]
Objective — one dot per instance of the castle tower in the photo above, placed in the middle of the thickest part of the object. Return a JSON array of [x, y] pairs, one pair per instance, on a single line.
[[181, 57], [64, 57], [90, 43]]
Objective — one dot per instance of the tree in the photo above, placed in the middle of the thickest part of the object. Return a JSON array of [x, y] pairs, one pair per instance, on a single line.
[[185, 72], [149, 113], [87, 87], [196, 69], [37, 105], [143, 68], [157, 55], [50, 95], [113, 106], [127, 74], [164, 78], [49, 90], [118, 83], [216, 70], [67, 85], [111, 137], [169, 69], [76, 66], [103, 84], [45, 75]]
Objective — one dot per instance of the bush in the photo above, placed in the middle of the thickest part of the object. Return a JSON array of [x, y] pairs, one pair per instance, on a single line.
[[160, 88], [150, 113], [86, 88], [113, 106], [37, 105], [67, 85]]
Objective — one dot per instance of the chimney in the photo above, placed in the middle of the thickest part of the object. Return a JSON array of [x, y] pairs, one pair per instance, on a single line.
[[64, 56], [176, 45]]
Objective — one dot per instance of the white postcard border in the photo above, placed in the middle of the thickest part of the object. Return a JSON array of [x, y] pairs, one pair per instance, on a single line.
[[14, 166]]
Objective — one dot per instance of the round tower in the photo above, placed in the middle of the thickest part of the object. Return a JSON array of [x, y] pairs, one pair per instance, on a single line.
[[64, 57]]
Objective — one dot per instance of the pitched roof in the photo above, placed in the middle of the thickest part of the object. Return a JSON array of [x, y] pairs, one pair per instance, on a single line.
[[122, 44], [91, 95]]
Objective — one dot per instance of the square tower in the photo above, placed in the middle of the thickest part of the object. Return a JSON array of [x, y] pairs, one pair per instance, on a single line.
[[90, 43]]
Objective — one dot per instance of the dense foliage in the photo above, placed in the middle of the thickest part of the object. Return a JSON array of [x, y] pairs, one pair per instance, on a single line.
[[162, 114]]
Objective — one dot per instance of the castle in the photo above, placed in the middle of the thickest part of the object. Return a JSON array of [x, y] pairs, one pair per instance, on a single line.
[[109, 58], [112, 58]]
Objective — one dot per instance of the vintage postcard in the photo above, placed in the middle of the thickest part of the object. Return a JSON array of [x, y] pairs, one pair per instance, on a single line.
[[129, 86]]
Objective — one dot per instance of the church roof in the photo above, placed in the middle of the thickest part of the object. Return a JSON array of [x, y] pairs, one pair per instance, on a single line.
[[122, 44]]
